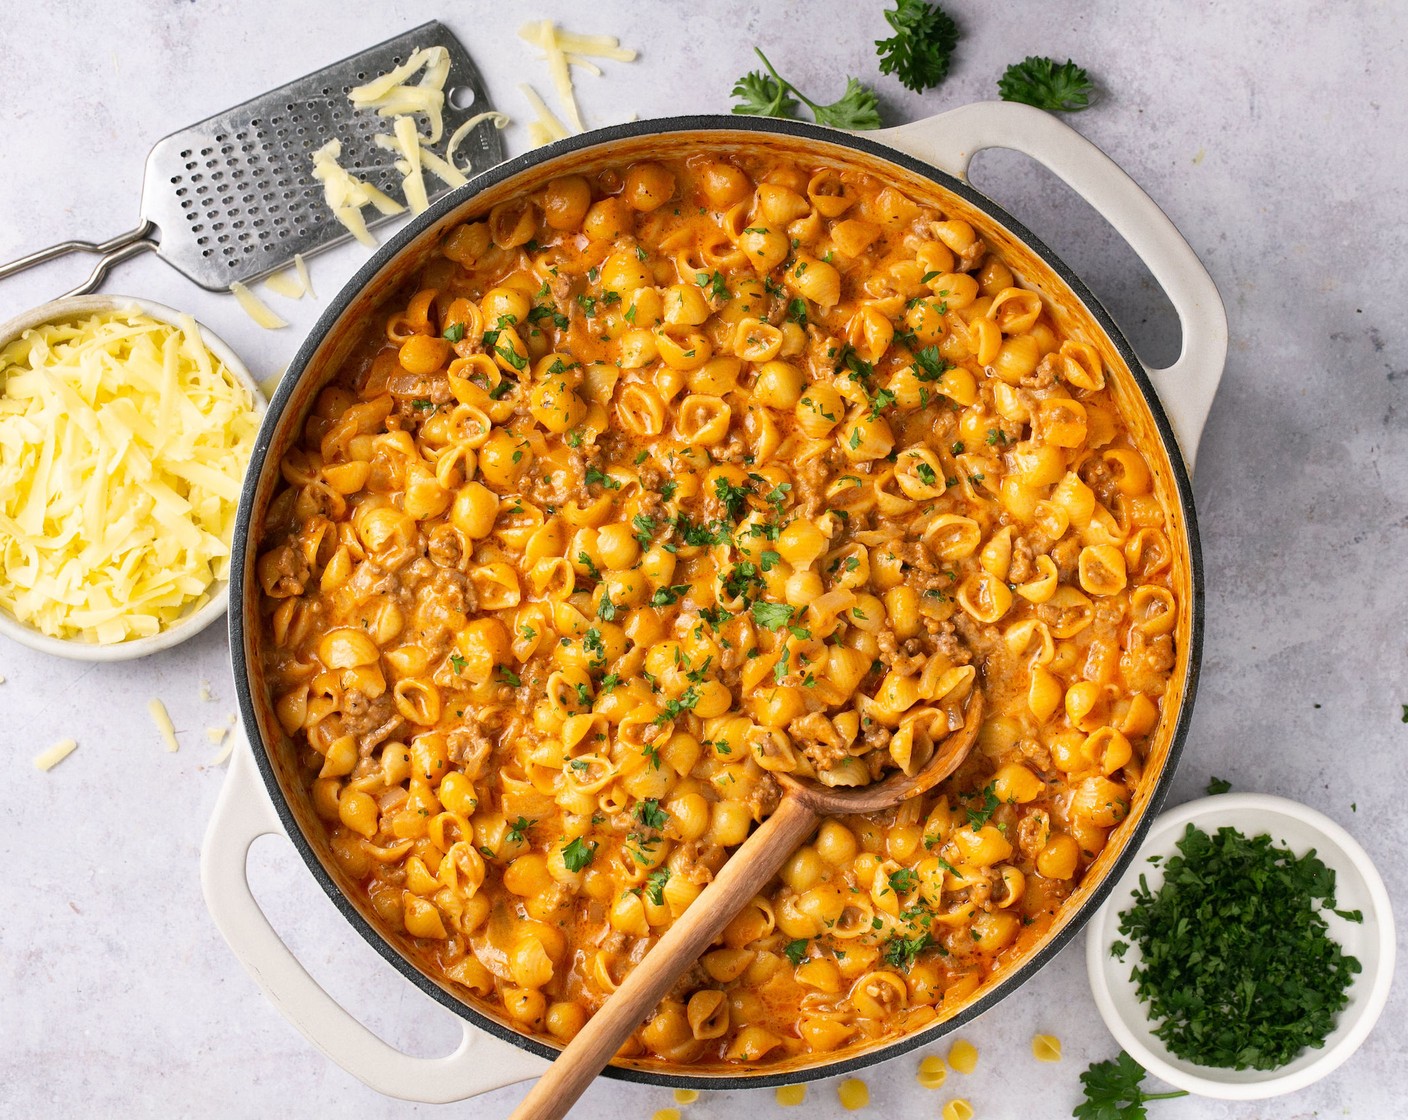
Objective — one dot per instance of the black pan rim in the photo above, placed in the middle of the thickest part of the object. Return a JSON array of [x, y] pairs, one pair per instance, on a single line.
[[717, 125]]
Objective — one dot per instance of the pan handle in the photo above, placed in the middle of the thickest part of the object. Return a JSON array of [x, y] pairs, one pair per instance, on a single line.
[[243, 813], [951, 140]]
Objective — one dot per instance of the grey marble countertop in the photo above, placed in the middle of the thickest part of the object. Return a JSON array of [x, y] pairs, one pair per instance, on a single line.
[[1272, 134]]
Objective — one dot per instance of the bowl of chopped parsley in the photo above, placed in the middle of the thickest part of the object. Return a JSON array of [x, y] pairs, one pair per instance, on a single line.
[[1248, 950]]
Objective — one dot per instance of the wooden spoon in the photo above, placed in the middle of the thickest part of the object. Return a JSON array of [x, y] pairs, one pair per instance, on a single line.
[[747, 871]]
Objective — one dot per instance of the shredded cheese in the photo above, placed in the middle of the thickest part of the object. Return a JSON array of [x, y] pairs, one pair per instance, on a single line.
[[216, 735], [221, 758], [345, 194], [561, 51], [301, 266], [285, 283], [390, 96], [270, 383], [123, 443], [50, 757], [163, 724], [546, 127], [412, 184], [499, 120], [256, 308], [204, 692]]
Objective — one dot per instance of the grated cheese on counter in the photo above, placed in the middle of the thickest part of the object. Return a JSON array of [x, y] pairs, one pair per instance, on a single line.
[[123, 442], [285, 283], [256, 308], [562, 50], [301, 266], [390, 96], [345, 194], [50, 757], [412, 184], [546, 127], [163, 724]]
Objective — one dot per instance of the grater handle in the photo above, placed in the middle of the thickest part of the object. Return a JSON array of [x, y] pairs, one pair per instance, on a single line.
[[115, 249]]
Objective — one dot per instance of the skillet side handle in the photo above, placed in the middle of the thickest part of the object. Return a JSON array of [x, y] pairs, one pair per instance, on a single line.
[[243, 814], [951, 140]]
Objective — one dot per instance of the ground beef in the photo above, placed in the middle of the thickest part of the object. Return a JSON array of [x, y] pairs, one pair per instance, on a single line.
[[1044, 376], [819, 740], [764, 797], [1065, 554], [906, 657], [372, 722], [1022, 556], [469, 746], [292, 572]]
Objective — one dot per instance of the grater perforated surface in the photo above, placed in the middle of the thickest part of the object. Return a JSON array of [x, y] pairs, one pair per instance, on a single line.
[[234, 196]]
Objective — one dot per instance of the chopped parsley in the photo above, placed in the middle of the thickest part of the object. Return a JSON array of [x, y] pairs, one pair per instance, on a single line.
[[578, 854], [454, 332], [509, 675], [518, 829], [649, 813], [981, 815], [796, 951], [774, 616], [1238, 968], [655, 885], [901, 952], [1218, 785]]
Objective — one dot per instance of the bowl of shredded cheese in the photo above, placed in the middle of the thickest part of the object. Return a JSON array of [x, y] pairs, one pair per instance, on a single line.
[[125, 430]]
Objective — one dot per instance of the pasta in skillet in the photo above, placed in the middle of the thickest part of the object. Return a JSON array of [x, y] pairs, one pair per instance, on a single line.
[[660, 482]]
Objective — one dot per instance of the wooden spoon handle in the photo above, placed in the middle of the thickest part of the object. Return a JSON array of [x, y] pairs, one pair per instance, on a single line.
[[746, 872]]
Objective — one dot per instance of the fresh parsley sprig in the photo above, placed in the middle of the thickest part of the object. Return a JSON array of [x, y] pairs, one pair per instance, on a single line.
[[1113, 1091], [1043, 82], [921, 49], [772, 95]]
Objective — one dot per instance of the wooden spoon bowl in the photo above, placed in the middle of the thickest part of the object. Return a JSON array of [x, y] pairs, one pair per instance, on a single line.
[[804, 803]]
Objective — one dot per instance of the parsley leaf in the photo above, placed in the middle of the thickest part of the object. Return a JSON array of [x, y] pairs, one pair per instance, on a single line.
[[1112, 1091], [509, 675], [772, 615], [734, 498], [1218, 785], [796, 951], [668, 596], [655, 885], [920, 51], [454, 332], [901, 952], [517, 830], [771, 95], [649, 813], [578, 854], [980, 816], [1061, 88]]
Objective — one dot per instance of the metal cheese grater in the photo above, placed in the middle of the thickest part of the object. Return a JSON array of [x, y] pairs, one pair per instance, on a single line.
[[233, 197]]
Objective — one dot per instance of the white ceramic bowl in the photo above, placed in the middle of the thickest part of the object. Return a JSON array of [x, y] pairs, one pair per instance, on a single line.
[[195, 619], [1357, 887]]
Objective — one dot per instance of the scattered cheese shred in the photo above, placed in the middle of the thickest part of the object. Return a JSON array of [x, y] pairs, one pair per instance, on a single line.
[[499, 120], [391, 97], [49, 758], [301, 266], [686, 1096], [270, 383], [546, 128], [789, 1096], [256, 308], [204, 692], [412, 184], [563, 49], [285, 283], [123, 442], [216, 735], [2, 680], [163, 724], [345, 194], [224, 756]]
